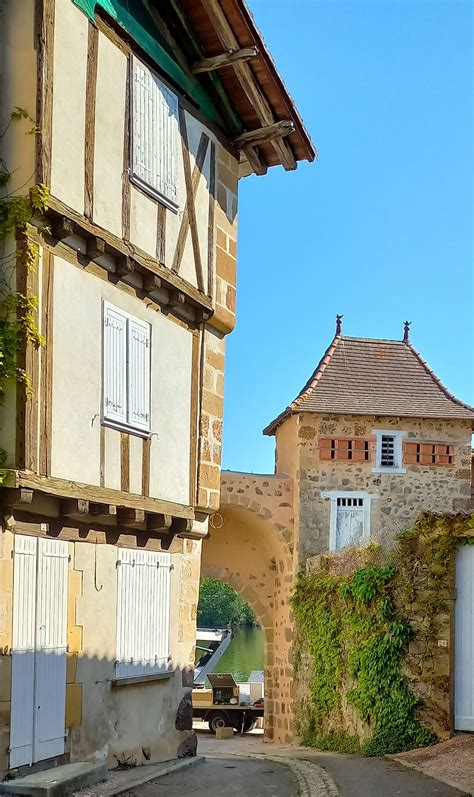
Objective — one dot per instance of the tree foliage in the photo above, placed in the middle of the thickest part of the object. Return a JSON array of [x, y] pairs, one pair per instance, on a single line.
[[220, 606]]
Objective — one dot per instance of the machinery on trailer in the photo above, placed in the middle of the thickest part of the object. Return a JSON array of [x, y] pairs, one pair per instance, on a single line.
[[217, 641], [226, 705]]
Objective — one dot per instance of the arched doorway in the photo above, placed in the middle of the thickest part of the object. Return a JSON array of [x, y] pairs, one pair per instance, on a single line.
[[247, 550]]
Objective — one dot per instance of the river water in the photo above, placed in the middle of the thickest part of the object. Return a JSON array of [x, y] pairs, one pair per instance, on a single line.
[[244, 654]]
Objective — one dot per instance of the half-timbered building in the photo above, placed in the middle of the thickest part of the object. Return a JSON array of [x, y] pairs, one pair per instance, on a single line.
[[124, 278]]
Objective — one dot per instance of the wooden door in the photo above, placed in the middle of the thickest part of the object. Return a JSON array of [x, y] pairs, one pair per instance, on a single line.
[[349, 522]]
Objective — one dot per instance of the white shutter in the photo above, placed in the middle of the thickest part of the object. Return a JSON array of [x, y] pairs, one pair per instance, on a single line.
[[51, 632], [139, 374], [115, 364], [23, 651], [464, 640], [155, 134], [143, 607]]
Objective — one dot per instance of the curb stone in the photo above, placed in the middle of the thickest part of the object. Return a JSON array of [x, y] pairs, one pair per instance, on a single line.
[[440, 778], [313, 780], [136, 778]]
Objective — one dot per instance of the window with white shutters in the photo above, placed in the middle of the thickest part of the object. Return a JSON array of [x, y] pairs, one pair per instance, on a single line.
[[143, 612], [126, 369], [155, 134], [389, 451]]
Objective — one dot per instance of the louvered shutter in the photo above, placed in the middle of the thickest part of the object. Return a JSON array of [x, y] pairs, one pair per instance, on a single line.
[[155, 134], [139, 374], [115, 364], [23, 651], [143, 608], [51, 619]]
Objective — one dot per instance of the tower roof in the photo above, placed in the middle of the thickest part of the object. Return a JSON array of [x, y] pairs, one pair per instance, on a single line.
[[360, 376]]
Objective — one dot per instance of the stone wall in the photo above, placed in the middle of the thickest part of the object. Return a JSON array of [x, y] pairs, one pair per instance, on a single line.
[[222, 322], [424, 591], [399, 497], [250, 546]]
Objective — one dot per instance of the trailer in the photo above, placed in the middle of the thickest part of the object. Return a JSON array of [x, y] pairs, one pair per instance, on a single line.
[[223, 705]]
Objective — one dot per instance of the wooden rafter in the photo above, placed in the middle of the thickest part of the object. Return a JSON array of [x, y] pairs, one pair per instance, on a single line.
[[225, 59], [264, 134], [247, 81], [254, 160]]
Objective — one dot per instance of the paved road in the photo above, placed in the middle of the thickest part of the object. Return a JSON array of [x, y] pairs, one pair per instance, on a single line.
[[350, 776], [377, 777], [225, 776]]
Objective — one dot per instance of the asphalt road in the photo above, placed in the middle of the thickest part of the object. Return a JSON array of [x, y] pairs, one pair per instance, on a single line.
[[378, 777], [354, 776], [224, 776]]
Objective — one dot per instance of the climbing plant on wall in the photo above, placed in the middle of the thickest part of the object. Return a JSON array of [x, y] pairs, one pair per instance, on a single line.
[[17, 310], [353, 633]]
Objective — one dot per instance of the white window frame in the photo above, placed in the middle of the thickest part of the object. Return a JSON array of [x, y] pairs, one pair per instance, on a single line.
[[134, 656], [143, 430], [398, 451], [172, 99], [333, 495]]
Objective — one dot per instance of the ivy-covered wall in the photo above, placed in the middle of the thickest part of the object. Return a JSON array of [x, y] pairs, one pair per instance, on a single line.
[[374, 653]]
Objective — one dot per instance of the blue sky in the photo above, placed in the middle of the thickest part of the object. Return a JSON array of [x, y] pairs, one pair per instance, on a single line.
[[380, 227]]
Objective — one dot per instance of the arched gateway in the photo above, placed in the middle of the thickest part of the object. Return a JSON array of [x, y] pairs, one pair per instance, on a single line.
[[251, 548], [359, 460]]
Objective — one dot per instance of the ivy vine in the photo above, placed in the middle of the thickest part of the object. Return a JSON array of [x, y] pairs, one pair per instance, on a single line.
[[353, 633], [17, 310]]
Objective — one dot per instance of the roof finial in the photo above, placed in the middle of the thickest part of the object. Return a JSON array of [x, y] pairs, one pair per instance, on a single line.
[[406, 331], [339, 324]]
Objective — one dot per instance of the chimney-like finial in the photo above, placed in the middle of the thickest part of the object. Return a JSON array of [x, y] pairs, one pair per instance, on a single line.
[[406, 331], [339, 324]]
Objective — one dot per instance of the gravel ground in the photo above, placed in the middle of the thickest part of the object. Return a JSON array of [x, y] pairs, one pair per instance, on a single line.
[[453, 760]]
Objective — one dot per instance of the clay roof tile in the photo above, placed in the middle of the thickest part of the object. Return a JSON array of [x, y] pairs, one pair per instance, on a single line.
[[361, 376]]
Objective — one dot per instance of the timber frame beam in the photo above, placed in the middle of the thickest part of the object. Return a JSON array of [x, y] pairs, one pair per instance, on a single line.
[[247, 81], [264, 134], [122, 261], [162, 519], [226, 59]]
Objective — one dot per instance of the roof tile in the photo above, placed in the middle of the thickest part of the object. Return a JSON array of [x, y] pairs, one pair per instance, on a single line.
[[359, 376]]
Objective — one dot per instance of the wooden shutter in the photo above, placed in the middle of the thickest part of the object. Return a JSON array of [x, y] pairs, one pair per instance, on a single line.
[[23, 651], [464, 640], [115, 365], [143, 607], [139, 374], [155, 134], [50, 677]]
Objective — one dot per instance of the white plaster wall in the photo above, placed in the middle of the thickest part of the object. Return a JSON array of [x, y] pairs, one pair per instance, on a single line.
[[77, 314], [17, 88], [112, 477], [171, 365], [69, 104], [77, 389], [117, 721], [173, 220], [109, 135], [143, 221], [136, 458]]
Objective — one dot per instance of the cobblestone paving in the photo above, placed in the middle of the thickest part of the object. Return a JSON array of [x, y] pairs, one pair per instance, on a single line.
[[313, 780]]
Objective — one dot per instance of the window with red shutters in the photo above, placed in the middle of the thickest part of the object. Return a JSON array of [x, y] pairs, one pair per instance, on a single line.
[[343, 449], [428, 454]]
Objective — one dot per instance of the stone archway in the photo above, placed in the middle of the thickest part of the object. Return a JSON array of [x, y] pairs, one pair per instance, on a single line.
[[251, 548]]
